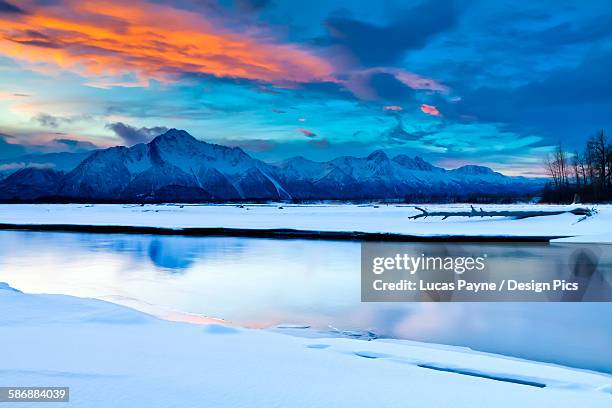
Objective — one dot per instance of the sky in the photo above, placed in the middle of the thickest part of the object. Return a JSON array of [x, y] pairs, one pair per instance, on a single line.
[[495, 83]]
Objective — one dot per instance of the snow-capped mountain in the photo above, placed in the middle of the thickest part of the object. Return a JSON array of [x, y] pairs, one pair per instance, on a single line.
[[29, 184], [177, 167], [173, 161], [378, 176]]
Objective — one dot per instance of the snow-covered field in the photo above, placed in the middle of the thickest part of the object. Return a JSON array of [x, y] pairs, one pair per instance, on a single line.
[[347, 218], [110, 355], [113, 356]]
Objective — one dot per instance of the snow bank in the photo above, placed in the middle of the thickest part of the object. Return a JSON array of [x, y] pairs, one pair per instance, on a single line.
[[588, 238], [114, 356], [392, 219]]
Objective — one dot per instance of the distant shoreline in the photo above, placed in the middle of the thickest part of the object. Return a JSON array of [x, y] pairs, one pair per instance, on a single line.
[[276, 233]]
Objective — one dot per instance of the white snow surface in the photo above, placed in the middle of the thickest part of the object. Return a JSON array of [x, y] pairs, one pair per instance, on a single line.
[[110, 355], [322, 217]]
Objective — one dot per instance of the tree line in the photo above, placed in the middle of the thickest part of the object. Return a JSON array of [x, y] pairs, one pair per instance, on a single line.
[[580, 176]]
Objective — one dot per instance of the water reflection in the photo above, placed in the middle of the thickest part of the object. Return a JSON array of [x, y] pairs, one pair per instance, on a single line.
[[264, 282], [176, 254]]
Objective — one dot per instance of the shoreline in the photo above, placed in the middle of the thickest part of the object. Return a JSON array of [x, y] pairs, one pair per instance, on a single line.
[[276, 233], [341, 222]]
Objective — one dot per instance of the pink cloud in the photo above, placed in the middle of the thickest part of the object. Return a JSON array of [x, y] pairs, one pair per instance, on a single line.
[[306, 132], [359, 82], [430, 110], [416, 81]]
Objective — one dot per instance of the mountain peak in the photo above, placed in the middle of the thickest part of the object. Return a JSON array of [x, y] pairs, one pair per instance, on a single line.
[[175, 135], [295, 161], [404, 160], [378, 155], [416, 162], [474, 169]]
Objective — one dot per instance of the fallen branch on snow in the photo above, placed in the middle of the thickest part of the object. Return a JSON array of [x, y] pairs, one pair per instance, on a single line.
[[516, 214]]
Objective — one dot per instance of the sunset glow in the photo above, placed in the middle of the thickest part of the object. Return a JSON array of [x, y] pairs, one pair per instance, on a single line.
[[320, 80], [430, 110], [114, 37]]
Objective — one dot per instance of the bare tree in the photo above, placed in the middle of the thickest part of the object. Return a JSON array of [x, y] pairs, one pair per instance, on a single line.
[[590, 156], [562, 165], [576, 169], [551, 169], [558, 167], [583, 169], [609, 167], [589, 173], [601, 159]]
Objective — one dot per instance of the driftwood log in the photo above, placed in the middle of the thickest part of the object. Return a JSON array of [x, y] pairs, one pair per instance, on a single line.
[[516, 214]]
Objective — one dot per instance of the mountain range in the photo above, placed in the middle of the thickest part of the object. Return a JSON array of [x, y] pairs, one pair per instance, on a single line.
[[175, 166]]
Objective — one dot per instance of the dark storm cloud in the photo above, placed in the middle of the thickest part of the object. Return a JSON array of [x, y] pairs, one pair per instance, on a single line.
[[372, 44], [132, 135]]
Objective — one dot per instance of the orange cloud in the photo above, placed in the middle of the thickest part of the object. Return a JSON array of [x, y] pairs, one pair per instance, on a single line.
[[430, 110], [151, 41]]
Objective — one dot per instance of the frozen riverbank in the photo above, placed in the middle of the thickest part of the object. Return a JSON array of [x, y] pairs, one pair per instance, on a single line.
[[308, 221], [108, 354]]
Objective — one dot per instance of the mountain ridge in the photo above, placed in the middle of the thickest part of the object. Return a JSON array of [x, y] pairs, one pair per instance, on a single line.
[[175, 166]]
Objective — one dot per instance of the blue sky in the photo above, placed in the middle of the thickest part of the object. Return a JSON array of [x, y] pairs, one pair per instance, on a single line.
[[489, 82]]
